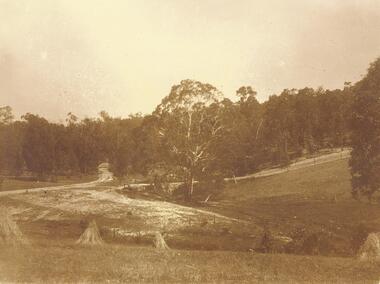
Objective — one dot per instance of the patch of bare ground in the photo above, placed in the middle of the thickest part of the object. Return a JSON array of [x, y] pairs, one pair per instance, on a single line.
[[63, 214]]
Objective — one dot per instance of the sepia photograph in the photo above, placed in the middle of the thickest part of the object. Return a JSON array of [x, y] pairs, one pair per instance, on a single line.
[[189, 141]]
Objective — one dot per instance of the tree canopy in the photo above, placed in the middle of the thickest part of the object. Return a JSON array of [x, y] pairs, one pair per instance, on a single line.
[[196, 133], [365, 157], [189, 124]]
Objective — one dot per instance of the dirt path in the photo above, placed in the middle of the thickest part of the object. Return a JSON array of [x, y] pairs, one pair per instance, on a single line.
[[58, 203], [133, 216], [299, 164], [304, 163], [104, 176]]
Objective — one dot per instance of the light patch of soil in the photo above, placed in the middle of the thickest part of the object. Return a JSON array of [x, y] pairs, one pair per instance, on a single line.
[[60, 214], [156, 215]]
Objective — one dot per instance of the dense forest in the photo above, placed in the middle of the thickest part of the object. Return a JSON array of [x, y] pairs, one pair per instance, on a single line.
[[196, 133]]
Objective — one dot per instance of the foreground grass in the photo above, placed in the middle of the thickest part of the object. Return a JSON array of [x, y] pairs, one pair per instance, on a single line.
[[15, 184], [54, 263], [316, 199]]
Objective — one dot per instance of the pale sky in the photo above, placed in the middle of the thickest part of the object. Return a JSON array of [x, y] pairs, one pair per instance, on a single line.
[[123, 56]]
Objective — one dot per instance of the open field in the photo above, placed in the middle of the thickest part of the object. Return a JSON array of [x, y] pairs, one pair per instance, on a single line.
[[189, 141], [313, 200], [314, 182], [310, 208], [61, 215], [52, 263], [322, 157]]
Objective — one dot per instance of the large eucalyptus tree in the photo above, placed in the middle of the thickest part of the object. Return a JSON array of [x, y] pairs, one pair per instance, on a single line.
[[189, 124]]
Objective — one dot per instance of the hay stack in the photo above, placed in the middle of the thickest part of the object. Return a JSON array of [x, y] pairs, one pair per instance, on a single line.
[[10, 233], [370, 250], [90, 236], [159, 241]]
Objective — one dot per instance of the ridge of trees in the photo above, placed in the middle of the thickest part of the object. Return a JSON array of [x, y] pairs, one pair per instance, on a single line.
[[196, 133], [194, 129]]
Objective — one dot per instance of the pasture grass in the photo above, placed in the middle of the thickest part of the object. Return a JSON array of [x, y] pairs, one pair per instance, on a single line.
[[115, 263], [315, 198], [312, 199]]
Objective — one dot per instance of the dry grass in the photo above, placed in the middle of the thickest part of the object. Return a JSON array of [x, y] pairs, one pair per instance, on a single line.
[[91, 236], [53, 263], [10, 234], [315, 198], [371, 247]]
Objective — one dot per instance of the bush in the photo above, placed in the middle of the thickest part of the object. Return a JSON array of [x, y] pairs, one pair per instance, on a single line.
[[316, 242], [266, 244], [210, 184]]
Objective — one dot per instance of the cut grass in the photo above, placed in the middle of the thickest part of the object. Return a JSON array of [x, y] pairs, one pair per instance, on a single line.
[[52, 263]]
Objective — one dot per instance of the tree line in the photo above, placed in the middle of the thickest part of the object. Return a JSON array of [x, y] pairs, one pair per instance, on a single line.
[[196, 133]]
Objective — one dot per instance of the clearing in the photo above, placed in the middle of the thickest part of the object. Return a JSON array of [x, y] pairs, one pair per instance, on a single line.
[[308, 207]]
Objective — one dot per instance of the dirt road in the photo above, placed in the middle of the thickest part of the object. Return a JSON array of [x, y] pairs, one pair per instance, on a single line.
[[304, 163], [130, 217], [104, 176], [104, 200]]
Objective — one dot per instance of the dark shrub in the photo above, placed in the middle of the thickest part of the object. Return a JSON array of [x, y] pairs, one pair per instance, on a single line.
[[358, 237]]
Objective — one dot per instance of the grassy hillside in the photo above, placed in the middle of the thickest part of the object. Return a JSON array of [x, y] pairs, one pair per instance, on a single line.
[[301, 203], [317, 182]]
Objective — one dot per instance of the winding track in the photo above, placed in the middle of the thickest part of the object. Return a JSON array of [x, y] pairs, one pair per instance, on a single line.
[[105, 175], [300, 164]]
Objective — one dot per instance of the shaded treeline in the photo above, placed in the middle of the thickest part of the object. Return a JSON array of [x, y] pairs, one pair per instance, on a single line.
[[76, 147], [232, 138], [365, 122]]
